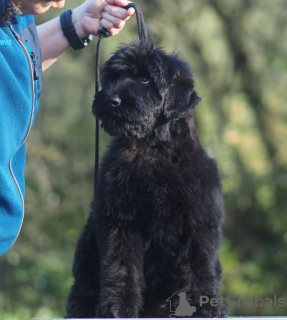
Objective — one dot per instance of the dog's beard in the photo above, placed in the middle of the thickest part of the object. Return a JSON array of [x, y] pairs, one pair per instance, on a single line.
[[131, 118]]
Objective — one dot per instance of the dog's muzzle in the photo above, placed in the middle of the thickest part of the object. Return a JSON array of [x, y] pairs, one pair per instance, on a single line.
[[112, 101]]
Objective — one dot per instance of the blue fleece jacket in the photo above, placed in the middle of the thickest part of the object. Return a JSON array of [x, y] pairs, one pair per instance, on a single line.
[[20, 86]]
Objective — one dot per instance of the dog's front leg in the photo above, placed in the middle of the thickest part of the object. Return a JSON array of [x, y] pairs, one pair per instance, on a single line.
[[199, 271], [84, 294], [206, 274], [122, 281]]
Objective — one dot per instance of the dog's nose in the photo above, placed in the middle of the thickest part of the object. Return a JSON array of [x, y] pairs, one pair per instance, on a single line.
[[114, 101]]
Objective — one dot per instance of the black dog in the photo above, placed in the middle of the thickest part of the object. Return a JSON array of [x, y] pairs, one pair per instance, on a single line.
[[155, 226]]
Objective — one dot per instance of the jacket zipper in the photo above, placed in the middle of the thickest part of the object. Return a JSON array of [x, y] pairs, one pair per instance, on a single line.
[[32, 74], [31, 67], [34, 62], [35, 72]]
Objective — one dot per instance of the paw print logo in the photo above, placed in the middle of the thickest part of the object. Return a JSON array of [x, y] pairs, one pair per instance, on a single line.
[[247, 301]]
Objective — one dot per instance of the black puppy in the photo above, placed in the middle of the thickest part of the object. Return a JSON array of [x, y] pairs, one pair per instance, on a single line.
[[155, 225]]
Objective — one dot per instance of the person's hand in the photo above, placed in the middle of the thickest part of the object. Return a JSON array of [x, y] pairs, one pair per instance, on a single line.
[[93, 15]]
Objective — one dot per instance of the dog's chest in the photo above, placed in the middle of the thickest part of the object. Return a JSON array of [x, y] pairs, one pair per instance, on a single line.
[[145, 184]]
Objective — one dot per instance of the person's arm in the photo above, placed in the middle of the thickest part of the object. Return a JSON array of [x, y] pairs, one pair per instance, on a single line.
[[88, 18]]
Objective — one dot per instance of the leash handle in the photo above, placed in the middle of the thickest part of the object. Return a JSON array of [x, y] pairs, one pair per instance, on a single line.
[[140, 23]]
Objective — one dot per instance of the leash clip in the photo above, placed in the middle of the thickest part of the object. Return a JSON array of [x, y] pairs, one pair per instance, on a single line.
[[103, 33]]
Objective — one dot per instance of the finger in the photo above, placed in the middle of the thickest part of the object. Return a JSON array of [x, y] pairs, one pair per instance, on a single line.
[[112, 30], [121, 3], [118, 12], [116, 22], [131, 11]]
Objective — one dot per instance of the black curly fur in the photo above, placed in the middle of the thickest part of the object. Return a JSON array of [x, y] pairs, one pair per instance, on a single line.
[[155, 225]]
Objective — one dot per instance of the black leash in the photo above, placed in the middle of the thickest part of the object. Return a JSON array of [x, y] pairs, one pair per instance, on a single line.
[[140, 21], [103, 33]]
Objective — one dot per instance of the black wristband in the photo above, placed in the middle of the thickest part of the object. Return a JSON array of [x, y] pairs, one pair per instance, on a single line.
[[69, 31]]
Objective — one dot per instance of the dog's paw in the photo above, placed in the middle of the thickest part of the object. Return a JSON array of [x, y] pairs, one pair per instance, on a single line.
[[106, 310]]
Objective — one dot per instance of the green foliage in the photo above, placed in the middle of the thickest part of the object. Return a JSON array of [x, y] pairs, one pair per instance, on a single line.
[[237, 50]]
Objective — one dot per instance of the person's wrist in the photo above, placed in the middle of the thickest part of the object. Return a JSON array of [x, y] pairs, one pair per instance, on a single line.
[[71, 32], [77, 18]]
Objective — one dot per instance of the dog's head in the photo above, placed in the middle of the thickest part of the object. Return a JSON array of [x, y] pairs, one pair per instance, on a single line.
[[143, 88]]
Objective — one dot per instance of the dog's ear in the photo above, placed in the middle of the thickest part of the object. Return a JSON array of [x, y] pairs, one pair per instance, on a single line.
[[181, 98]]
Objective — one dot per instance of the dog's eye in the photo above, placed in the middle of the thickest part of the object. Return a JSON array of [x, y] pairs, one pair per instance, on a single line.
[[145, 80]]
